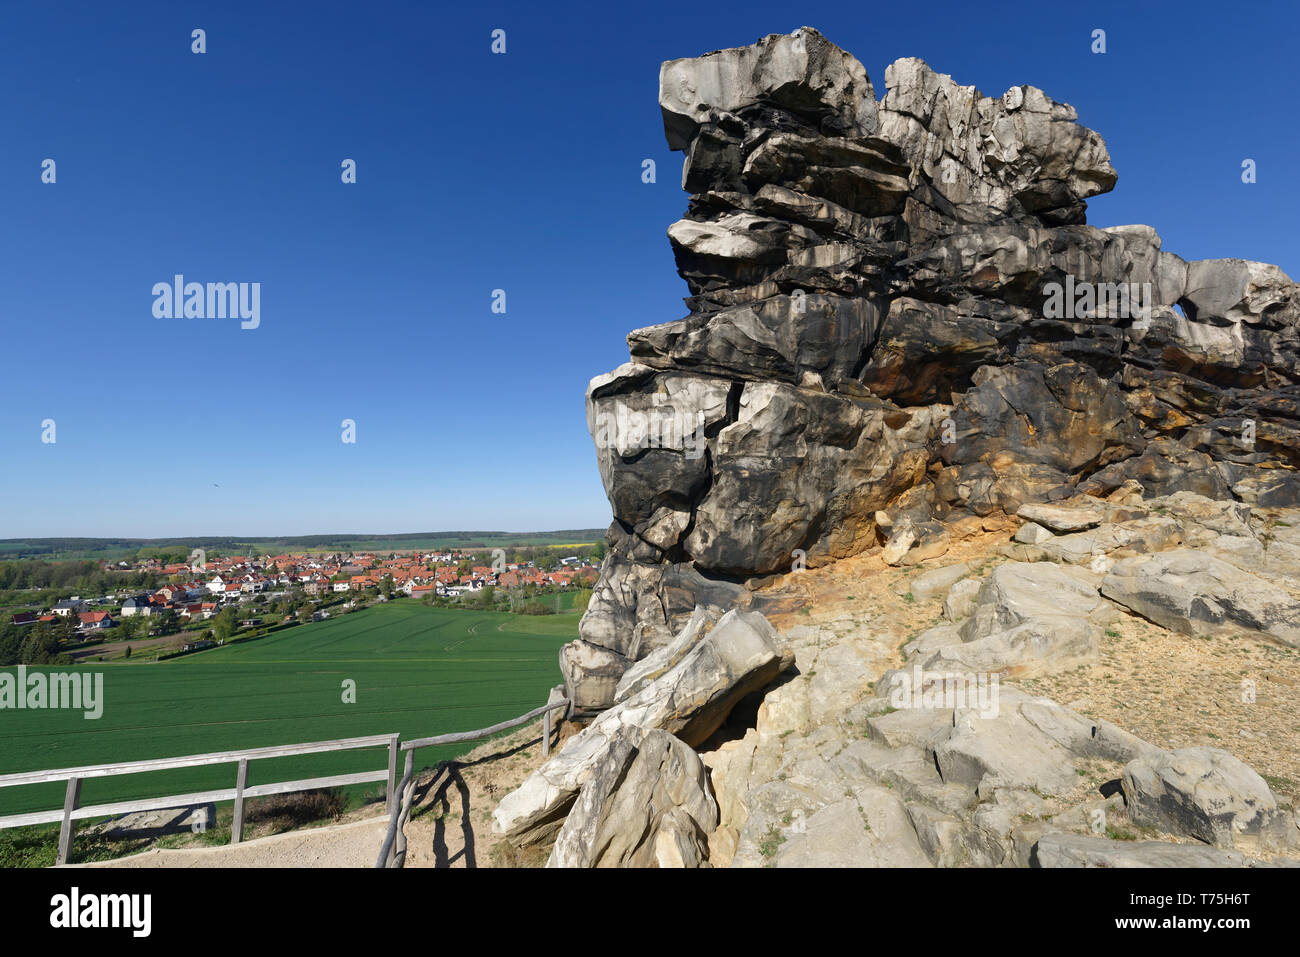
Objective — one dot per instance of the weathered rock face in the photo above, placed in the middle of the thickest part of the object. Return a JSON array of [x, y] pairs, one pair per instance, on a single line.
[[647, 802], [688, 700], [899, 316]]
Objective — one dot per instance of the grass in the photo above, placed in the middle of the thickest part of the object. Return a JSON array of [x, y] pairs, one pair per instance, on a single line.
[[1280, 785], [419, 671], [771, 841]]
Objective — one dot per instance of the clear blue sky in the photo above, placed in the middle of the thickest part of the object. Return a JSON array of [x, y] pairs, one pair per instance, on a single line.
[[475, 172]]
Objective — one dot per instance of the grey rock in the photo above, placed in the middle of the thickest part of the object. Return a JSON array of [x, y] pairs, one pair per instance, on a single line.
[[1197, 594], [1043, 644], [961, 599], [1031, 533], [690, 700], [1080, 850], [1205, 793], [1060, 518], [647, 801], [937, 581], [1016, 592]]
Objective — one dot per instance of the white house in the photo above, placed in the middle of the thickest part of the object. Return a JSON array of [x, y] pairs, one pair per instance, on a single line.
[[136, 605]]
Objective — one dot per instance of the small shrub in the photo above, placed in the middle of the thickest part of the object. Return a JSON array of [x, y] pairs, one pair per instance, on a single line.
[[285, 811]]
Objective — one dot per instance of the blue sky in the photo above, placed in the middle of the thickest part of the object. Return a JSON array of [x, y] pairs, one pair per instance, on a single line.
[[474, 172]]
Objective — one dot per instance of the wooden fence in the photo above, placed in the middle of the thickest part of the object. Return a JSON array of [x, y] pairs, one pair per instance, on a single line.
[[73, 811], [399, 796]]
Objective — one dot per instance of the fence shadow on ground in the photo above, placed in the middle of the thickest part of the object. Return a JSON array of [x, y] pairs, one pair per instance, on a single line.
[[446, 796]]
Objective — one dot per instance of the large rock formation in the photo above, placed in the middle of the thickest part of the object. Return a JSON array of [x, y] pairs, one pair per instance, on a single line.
[[898, 316]]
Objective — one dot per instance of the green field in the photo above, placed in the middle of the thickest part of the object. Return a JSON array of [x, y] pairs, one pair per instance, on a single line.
[[419, 671]]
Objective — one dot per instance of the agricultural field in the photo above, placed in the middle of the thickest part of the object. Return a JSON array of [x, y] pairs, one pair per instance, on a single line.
[[419, 671], [100, 549]]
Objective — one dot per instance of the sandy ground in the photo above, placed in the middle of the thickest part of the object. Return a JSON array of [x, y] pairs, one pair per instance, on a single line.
[[354, 844]]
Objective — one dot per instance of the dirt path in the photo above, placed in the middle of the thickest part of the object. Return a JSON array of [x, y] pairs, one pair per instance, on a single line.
[[112, 649], [355, 844]]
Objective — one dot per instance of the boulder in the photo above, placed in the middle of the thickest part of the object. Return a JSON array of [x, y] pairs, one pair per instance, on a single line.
[[961, 599], [660, 660], [1031, 533], [1061, 518], [1207, 794], [1044, 644], [1016, 592]]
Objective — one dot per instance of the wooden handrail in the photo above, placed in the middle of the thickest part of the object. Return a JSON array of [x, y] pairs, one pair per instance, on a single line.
[[191, 760], [461, 736]]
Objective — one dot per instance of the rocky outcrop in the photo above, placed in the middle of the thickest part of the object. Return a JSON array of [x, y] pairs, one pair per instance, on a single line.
[[939, 763], [902, 332], [646, 802], [689, 700], [898, 318]]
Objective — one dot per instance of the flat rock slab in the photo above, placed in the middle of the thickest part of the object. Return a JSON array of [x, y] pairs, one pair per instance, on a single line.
[[1197, 594], [1061, 518], [1080, 850], [935, 581]]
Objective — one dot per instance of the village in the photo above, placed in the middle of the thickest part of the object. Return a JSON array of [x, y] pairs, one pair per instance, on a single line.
[[201, 589]]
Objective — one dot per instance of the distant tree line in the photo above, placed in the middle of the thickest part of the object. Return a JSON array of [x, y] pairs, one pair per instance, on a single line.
[[39, 644], [83, 576]]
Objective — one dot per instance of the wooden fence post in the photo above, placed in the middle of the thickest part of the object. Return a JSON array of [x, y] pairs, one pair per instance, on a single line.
[[71, 798], [397, 856], [392, 775], [546, 734], [241, 781]]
